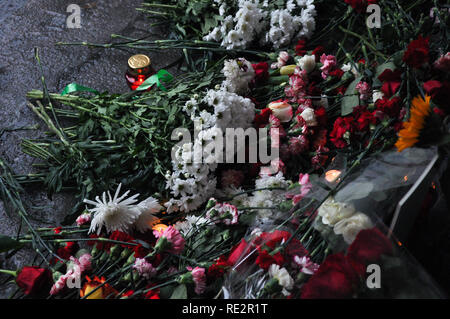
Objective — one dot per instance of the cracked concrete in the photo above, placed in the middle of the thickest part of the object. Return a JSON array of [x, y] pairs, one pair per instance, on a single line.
[[26, 24]]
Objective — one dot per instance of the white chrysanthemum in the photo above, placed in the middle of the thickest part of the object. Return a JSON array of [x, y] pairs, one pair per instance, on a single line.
[[191, 222], [146, 219], [267, 181], [117, 213], [283, 277]]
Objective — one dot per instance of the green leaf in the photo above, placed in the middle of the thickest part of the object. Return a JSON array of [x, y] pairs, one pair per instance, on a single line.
[[7, 244], [381, 68], [350, 100], [180, 292]]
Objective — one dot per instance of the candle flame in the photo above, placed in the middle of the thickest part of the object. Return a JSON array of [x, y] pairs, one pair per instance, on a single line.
[[160, 227], [332, 175]]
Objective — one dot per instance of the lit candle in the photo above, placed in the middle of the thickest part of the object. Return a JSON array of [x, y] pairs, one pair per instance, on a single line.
[[332, 175], [160, 227], [139, 69]]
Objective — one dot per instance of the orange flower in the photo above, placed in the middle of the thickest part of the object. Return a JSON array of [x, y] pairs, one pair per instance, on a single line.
[[409, 134], [101, 293]]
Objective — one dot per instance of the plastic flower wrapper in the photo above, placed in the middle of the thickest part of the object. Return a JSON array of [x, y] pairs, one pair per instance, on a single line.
[[381, 180], [335, 246]]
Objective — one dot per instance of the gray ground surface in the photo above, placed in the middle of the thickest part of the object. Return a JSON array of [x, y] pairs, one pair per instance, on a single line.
[[26, 24]]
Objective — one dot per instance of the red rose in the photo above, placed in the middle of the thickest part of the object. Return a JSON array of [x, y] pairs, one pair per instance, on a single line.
[[238, 252], [368, 246], [262, 119], [336, 278], [391, 81], [360, 6], [341, 126], [300, 48], [57, 230], [265, 259], [34, 280], [391, 107], [417, 53], [261, 72]]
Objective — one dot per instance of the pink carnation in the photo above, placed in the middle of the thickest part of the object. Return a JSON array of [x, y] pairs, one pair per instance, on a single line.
[[173, 237], [364, 90], [306, 265], [443, 63], [199, 277], [298, 145], [329, 62], [83, 219], [85, 262], [223, 213], [144, 268]]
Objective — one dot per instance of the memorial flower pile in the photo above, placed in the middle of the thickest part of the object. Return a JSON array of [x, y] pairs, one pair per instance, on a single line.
[[166, 211]]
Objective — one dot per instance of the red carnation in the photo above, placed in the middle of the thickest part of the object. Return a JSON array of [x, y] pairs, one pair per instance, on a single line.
[[262, 119], [265, 259], [417, 53], [140, 251], [368, 246], [295, 248], [153, 293], [68, 250], [34, 280], [120, 236], [363, 118], [337, 73], [272, 239], [336, 278], [360, 6], [261, 72], [439, 91], [391, 81], [321, 115], [341, 126], [391, 107], [300, 48], [218, 269]]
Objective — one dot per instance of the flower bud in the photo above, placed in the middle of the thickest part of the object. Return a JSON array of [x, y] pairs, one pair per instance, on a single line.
[[282, 110], [288, 69], [185, 278]]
